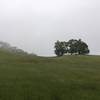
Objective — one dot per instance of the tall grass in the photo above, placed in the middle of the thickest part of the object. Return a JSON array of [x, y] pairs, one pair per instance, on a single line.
[[36, 78]]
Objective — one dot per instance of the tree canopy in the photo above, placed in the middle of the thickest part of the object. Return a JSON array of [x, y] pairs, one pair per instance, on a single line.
[[73, 46]]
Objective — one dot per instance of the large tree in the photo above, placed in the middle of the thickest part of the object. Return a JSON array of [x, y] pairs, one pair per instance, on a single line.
[[82, 47], [73, 46], [60, 48]]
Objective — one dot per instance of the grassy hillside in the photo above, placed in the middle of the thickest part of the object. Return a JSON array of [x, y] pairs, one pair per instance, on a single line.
[[36, 78]]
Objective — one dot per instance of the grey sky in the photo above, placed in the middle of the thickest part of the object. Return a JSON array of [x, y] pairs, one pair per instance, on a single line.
[[34, 25]]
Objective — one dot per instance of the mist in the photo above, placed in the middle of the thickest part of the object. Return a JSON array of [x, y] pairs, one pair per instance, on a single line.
[[35, 25]]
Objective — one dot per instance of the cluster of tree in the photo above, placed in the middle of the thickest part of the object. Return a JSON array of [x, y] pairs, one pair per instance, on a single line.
[[73, 46]]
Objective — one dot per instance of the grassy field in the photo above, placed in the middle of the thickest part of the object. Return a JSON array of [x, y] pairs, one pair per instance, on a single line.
[[56, 78]]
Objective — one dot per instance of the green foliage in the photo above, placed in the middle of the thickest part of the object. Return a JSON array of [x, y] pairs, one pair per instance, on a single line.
[[60, 48], [73, 46], [82, 47]]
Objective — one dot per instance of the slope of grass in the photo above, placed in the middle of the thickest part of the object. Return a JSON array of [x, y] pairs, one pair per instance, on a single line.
[[37, 78]]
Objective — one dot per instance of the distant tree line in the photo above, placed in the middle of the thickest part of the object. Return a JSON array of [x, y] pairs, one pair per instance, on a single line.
[[71, 47], [7, 47]]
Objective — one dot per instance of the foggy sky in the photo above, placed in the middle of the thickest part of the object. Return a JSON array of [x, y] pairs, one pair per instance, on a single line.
[[34, 25]]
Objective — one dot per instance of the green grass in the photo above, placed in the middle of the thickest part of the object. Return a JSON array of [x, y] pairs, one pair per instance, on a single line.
[[57, 78]]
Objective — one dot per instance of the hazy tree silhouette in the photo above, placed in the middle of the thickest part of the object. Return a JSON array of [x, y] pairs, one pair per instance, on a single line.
[[73, 46]]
